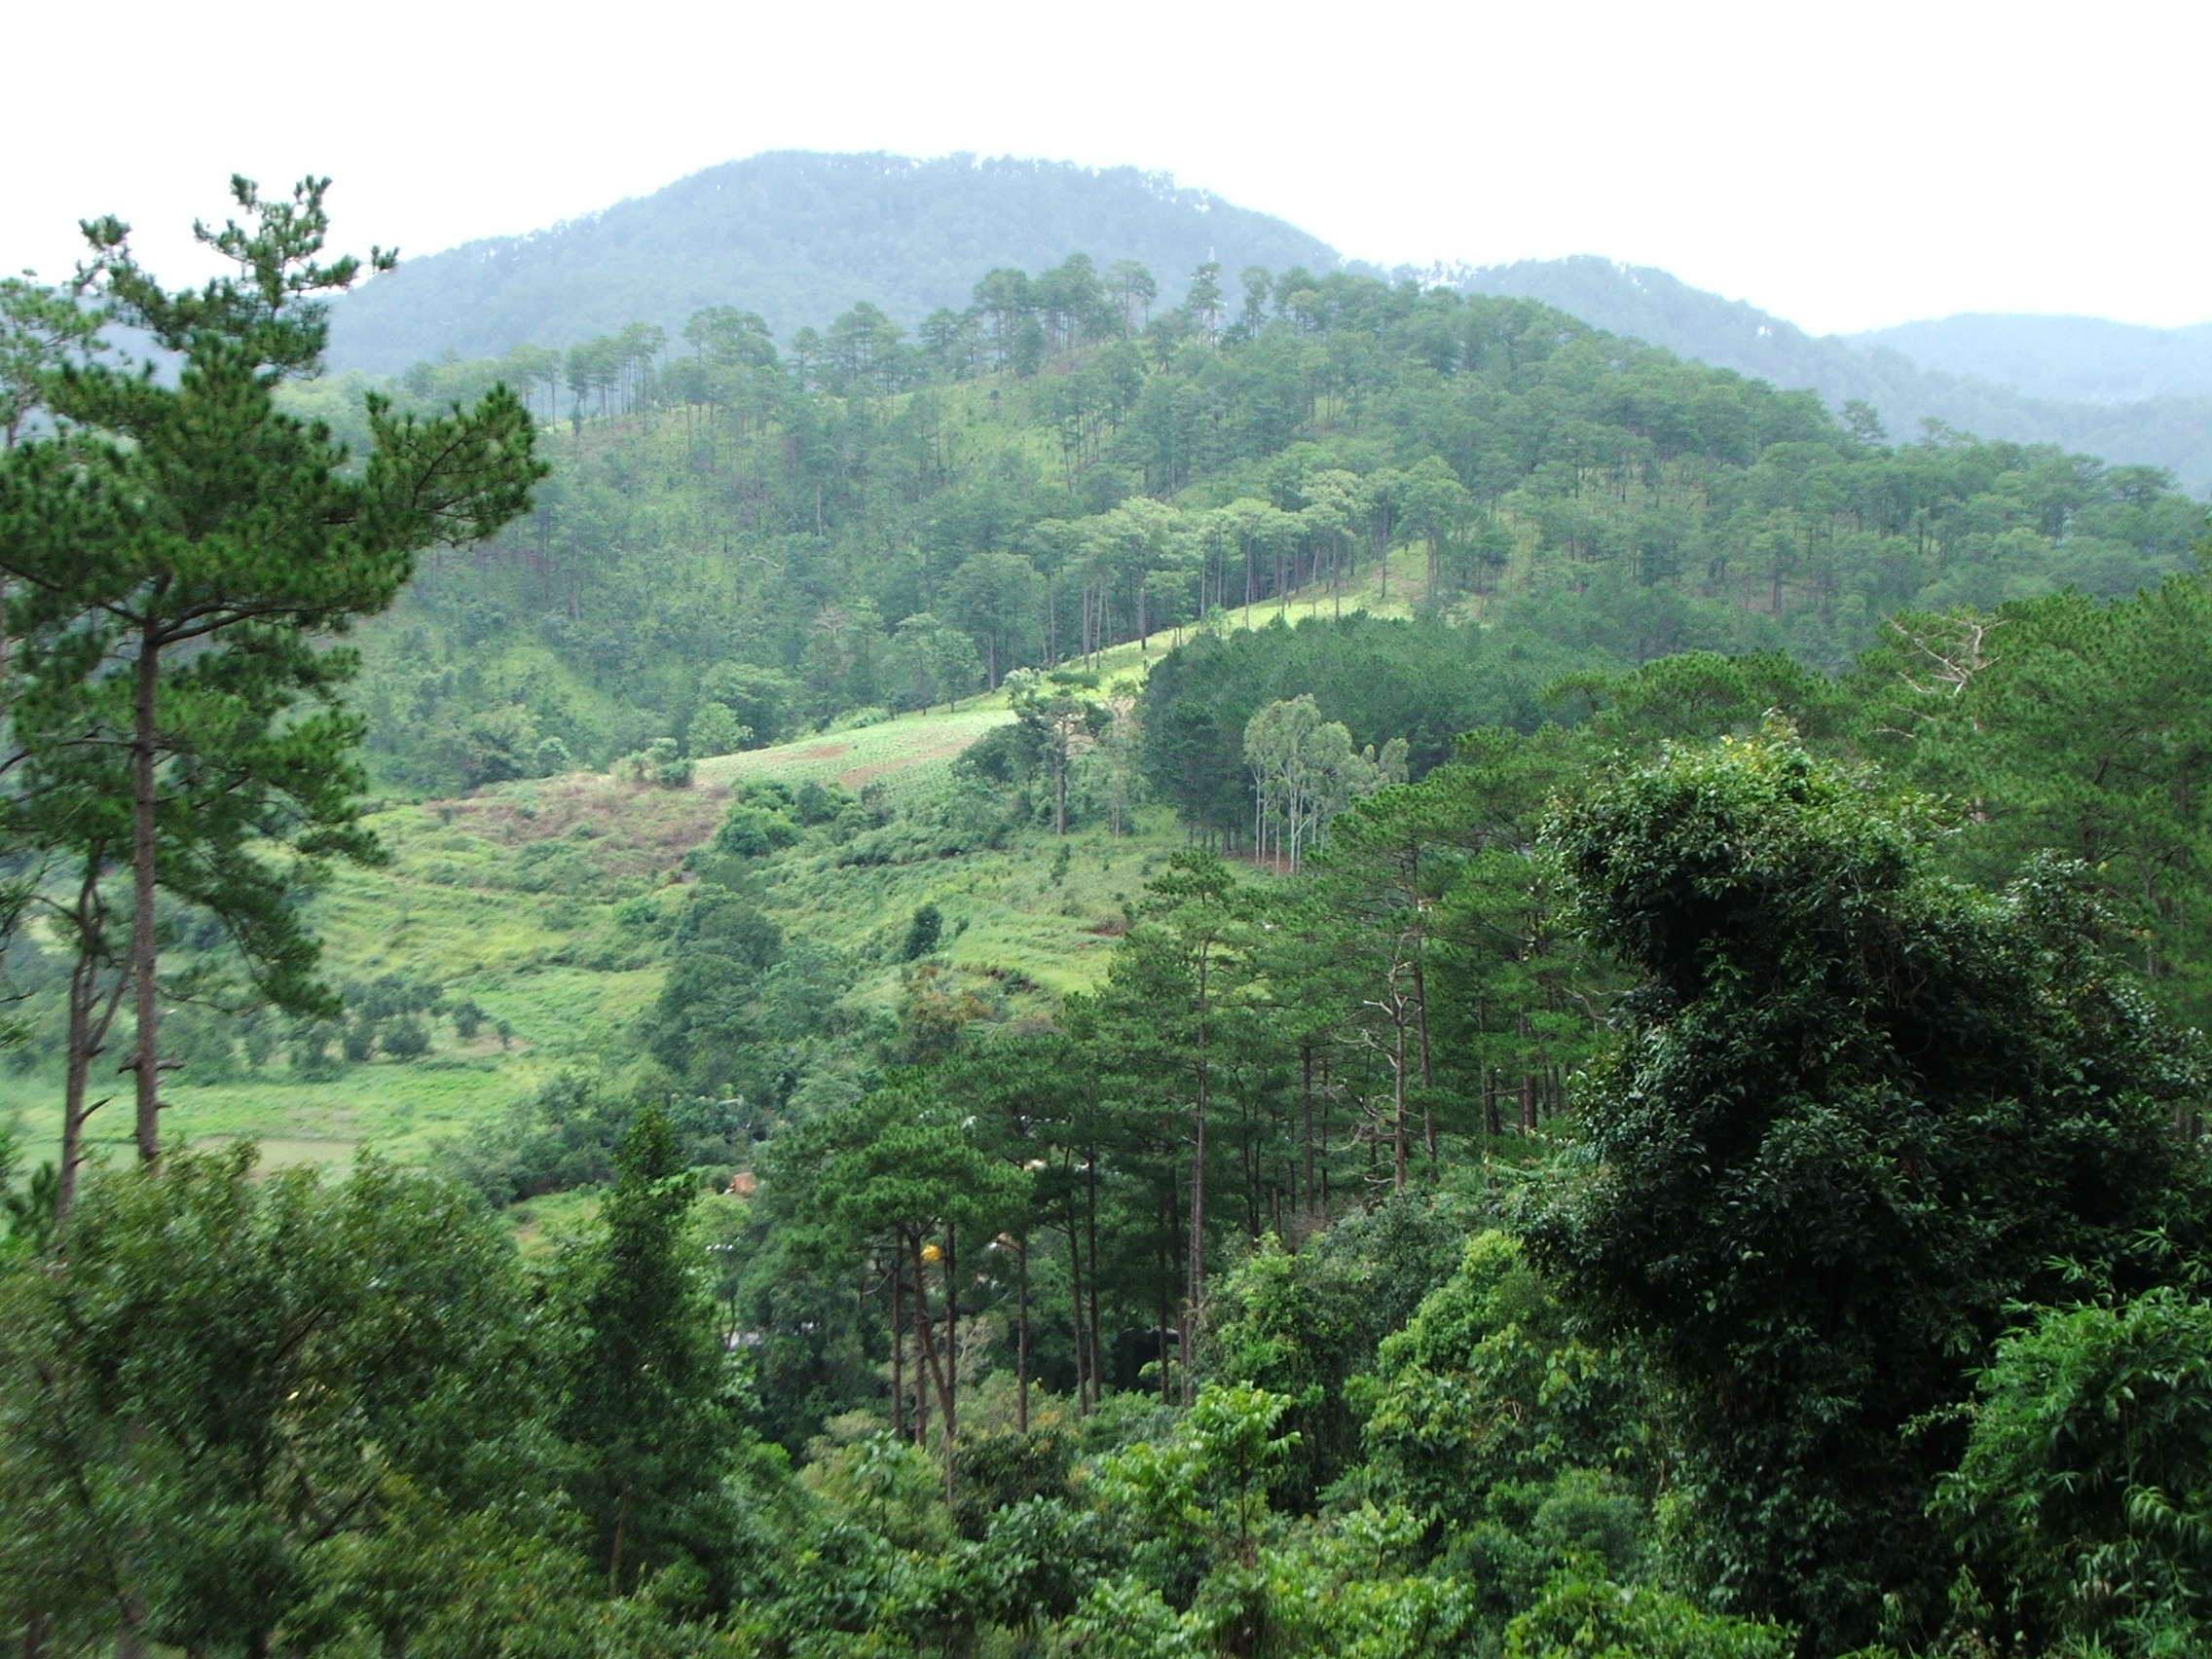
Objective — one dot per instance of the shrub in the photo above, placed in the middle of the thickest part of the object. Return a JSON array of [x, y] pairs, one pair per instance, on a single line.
[[923, 933], [406, 1038]]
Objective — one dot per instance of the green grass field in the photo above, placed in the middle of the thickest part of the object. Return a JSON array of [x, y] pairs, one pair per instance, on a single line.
[[908, 756]]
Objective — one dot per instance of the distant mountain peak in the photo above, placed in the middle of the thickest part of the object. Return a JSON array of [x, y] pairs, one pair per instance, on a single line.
[[799, 237]]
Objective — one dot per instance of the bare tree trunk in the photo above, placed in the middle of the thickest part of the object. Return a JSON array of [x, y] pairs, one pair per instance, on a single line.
[[1074, 1305], [951, 1332], [1398, 1135], [614, 1555], [1306, 1070], [145, 1058], [1021, 1338], [1160, 1335], [92, 1013], [897, 1350], [1098, 1354], [927, 1338]]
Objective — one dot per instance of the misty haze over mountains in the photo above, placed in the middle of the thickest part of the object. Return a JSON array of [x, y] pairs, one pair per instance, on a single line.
[[799, 237]]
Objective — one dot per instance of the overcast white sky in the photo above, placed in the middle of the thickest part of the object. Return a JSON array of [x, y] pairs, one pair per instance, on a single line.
[[1843, 165]]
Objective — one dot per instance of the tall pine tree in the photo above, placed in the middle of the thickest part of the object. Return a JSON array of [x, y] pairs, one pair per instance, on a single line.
[[175, 550]]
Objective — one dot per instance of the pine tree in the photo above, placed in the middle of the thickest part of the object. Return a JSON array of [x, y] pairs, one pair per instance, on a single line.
[[646, 1402], [175, 551]]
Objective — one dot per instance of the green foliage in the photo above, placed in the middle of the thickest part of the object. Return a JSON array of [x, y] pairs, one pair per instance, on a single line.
[[2084, 1494], [1592, 500], [787, 228], [1201, 1491], [2078, 383], [230, 1389], [1421, 684], [1591, 1619], [406, 1038], [42, 330], [1484, 1387], [923, 933], [1858, 1112], [1306, 1323], [750, 831], [715, 730], [178, 548], [2077, 724], [662, 763], [646, 1389]]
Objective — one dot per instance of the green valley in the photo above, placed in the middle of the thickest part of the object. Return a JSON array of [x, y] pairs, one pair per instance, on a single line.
[[1226, 964]]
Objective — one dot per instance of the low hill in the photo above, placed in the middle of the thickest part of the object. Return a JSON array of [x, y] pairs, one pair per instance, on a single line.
[[794, 237]]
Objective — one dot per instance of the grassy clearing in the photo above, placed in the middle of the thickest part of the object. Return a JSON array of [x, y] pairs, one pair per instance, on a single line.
[[1020, 916], [908, 756]]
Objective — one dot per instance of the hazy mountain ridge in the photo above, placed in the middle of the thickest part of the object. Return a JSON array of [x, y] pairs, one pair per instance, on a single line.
[[2073, 359], [799, 236], [1961, 379]]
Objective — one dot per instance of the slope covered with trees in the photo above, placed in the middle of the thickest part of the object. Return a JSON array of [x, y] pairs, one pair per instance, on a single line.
[[874, 520], [2133, 394], [1534, 1129]]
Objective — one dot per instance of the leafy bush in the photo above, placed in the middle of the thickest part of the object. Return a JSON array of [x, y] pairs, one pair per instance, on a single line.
[[715, 730], [2086, 1487], [406, 1038], [922, 933], [750, 831], [662, 763], [1580, 1618]]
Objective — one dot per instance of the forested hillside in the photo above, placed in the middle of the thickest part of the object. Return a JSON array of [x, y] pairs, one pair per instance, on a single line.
[[1335, 970], [877, 520], [2135, 394], [790, 235]]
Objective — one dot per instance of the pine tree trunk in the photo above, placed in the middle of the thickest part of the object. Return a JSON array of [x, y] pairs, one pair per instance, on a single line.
[[1306, 1069], [1021, 1338], [951, 1333], [928, 1339], [897, 1351], [1083, 1377], [1097, 1350], [147, 1049], [1398, 1137], [89, 1023], [1159, 1333]]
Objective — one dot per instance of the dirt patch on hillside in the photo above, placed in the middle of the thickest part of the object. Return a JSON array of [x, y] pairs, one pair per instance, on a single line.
[[625, 827]]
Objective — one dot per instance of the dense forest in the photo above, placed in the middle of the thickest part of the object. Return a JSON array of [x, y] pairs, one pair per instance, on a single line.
[[1632, 1083], [788, 235], [1065, 464]]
